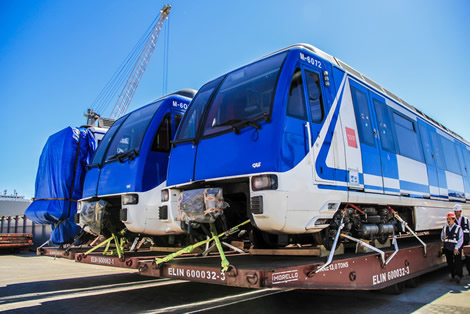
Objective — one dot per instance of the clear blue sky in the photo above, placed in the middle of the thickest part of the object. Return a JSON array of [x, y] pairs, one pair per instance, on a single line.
[[56, 56]]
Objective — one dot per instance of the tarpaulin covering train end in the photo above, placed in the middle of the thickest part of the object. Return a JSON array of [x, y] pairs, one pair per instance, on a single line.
[[59, 182]]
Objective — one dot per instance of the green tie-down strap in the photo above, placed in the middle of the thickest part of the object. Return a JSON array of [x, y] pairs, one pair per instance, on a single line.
[[215, 237], [119, 245], [225, 262]]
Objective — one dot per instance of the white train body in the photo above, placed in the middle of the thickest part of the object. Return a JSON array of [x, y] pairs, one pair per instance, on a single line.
[[290, 161]]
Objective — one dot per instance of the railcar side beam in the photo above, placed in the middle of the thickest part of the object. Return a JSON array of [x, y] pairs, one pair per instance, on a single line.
[[346, 272]]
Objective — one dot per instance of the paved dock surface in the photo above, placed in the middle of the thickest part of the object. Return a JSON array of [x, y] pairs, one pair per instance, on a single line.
[[42, 284]]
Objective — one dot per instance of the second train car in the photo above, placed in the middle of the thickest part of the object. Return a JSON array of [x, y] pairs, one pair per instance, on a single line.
[[129, 169]]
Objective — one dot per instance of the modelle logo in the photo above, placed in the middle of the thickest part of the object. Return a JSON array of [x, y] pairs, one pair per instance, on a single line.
[[256, 165]]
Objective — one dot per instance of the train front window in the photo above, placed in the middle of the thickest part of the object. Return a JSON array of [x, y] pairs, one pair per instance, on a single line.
[[101, 150], [243, 95], [193, 115], [131, 133]]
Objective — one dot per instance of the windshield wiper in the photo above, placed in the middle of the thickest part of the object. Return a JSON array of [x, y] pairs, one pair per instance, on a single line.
[[123, 156], [228, 122], [93, 166], [237, 124]]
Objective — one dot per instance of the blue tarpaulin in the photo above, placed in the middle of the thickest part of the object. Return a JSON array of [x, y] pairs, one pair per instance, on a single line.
[[59, 182]]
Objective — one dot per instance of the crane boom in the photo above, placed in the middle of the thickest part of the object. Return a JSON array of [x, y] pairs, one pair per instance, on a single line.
[[129, 89]]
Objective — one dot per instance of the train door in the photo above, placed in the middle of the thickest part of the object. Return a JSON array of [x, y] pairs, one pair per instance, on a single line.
[[182, 163], [155, 171], [465, 170], [430, 159], [157, 163], [385, 143], [317, 102], [438, 156], [466, 162], [295, 145], [368, 138]]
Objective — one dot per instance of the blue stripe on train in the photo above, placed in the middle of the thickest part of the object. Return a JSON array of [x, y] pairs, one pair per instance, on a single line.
[[391, 190], [414, 187], [332, 187], [373, 187]]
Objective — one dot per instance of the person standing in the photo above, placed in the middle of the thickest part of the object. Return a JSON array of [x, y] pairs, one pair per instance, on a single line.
[[452, 236], [464, 223]]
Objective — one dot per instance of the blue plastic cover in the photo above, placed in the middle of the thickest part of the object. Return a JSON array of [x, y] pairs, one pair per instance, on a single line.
[[59, 182]]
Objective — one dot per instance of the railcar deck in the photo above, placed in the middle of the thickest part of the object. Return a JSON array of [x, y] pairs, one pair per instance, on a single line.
[[348, 271], [363, 271]]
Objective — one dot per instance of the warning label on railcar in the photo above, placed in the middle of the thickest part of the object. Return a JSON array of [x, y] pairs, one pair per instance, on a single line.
[[336, 266]]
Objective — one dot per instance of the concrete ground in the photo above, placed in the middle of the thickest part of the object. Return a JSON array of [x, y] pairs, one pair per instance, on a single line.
[[41, 284]]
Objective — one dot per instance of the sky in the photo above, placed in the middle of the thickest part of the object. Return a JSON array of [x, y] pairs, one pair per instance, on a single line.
[[57, 55]]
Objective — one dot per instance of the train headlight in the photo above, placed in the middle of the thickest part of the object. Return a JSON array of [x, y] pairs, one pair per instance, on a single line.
[[79, 206], [129, 199], [264, 182], [165, 195]]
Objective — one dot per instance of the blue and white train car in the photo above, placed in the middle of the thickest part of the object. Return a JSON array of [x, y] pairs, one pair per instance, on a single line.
[[298, 136], [129, 169]]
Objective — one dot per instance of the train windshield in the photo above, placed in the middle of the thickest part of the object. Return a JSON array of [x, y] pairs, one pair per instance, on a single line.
[[101, 150], [243, 95], [125, 137]]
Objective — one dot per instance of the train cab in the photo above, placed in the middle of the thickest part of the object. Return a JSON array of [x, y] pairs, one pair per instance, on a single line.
[[123, 183]]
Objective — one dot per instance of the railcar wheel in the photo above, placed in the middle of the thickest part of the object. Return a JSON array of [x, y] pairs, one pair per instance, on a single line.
[[397, 288], [329, 238], [263, 240], [412, 283]]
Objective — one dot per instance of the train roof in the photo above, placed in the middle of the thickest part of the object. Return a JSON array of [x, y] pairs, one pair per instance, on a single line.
[[350, 70], [188, 93]]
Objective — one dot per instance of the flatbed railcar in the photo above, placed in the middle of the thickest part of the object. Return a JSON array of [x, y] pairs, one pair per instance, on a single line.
[[367, 270], [350, 271]]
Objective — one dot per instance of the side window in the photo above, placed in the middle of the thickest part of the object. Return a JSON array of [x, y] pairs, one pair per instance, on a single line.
[[460, 151], [161, 141], [296, 100], [408, 143], [425, 141], [384, 125], [364, 124], [450, 155], [314, 96], [438, 154], [466, 157]]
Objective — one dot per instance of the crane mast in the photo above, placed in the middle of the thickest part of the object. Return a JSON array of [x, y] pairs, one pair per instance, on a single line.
[[129, 89]]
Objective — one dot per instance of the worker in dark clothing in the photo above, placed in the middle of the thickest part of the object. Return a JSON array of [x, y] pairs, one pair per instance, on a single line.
[[452, 236], [464, 223]]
